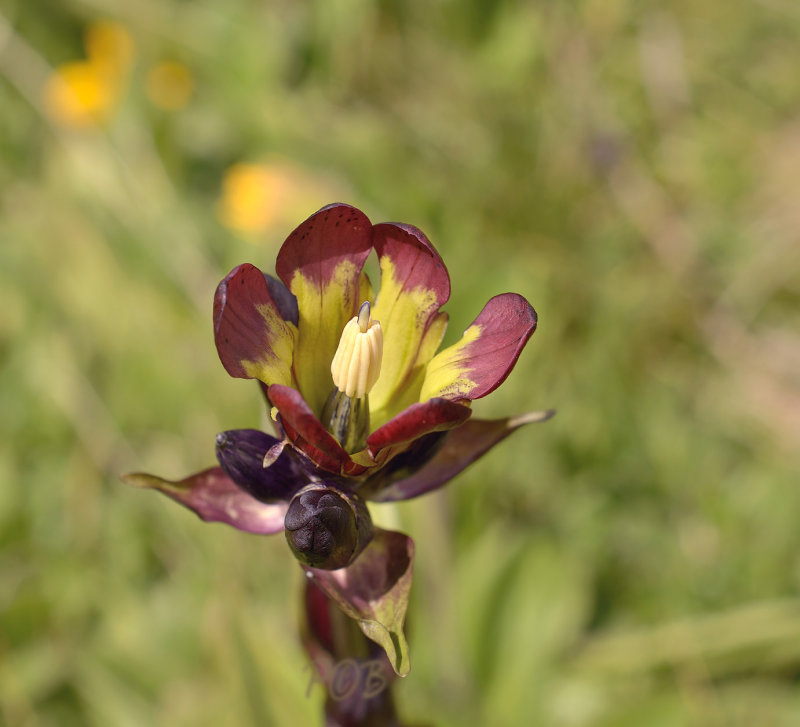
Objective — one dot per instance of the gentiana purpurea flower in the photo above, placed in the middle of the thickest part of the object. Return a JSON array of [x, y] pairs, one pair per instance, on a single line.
[[364, 408]]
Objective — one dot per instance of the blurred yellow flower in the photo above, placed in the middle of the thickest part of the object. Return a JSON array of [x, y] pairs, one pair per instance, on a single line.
[[109, 45], [80, 95], [84, 94], [259, 197], [251, 194], [169, 85]]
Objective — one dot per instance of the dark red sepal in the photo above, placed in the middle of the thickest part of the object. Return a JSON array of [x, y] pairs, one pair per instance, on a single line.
[[307, 434], [434, 415]]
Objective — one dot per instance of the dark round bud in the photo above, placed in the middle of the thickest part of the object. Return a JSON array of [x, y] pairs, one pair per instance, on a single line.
[[327, 527]]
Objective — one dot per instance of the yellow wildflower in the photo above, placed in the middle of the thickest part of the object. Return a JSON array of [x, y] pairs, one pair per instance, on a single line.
[[83, 94], [259, 197]]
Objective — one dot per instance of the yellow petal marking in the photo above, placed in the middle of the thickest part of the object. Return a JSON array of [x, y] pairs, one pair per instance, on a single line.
[[409, 393], [403, 315], [275, 367], [324, 310], [447, 374]]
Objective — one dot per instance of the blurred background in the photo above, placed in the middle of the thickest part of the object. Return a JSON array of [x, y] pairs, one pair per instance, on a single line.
[[631, 168]]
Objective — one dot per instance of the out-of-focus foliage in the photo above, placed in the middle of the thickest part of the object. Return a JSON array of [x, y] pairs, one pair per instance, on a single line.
[[630, 167]]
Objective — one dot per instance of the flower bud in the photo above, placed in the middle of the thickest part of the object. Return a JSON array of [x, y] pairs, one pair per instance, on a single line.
[[241, 452], [327, 527]]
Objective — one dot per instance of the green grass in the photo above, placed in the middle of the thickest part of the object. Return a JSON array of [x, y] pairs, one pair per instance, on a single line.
[[630, 168]]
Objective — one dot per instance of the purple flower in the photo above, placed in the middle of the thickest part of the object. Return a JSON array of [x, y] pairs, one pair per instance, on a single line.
[[365, 409]]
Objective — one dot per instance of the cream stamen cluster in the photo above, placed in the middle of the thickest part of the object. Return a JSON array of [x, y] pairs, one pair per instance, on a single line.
[[357, 363]]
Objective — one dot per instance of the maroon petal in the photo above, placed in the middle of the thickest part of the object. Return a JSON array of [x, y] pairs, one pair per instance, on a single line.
[[414, 285], [321, 263], [485, 355], [307, 434], [374, 591], [435, 415], [215, 497], [253, 339], [459, 449]]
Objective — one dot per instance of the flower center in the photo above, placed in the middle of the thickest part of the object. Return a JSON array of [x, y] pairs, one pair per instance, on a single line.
[[357, 362], [355, 369]]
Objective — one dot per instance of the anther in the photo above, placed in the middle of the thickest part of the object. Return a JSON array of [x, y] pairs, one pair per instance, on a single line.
[[355, 369], [357, 362]]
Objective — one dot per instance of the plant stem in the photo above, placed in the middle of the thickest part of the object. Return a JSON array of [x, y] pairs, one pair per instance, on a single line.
[[354, 670]]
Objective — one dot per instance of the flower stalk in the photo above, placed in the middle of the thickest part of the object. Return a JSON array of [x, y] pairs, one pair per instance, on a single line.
[[357, 676]]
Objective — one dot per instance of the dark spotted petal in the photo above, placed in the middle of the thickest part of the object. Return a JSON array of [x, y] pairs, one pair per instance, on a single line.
[[241, 454], [459, 449], [374, 591], [215, 497], [321, 263]]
